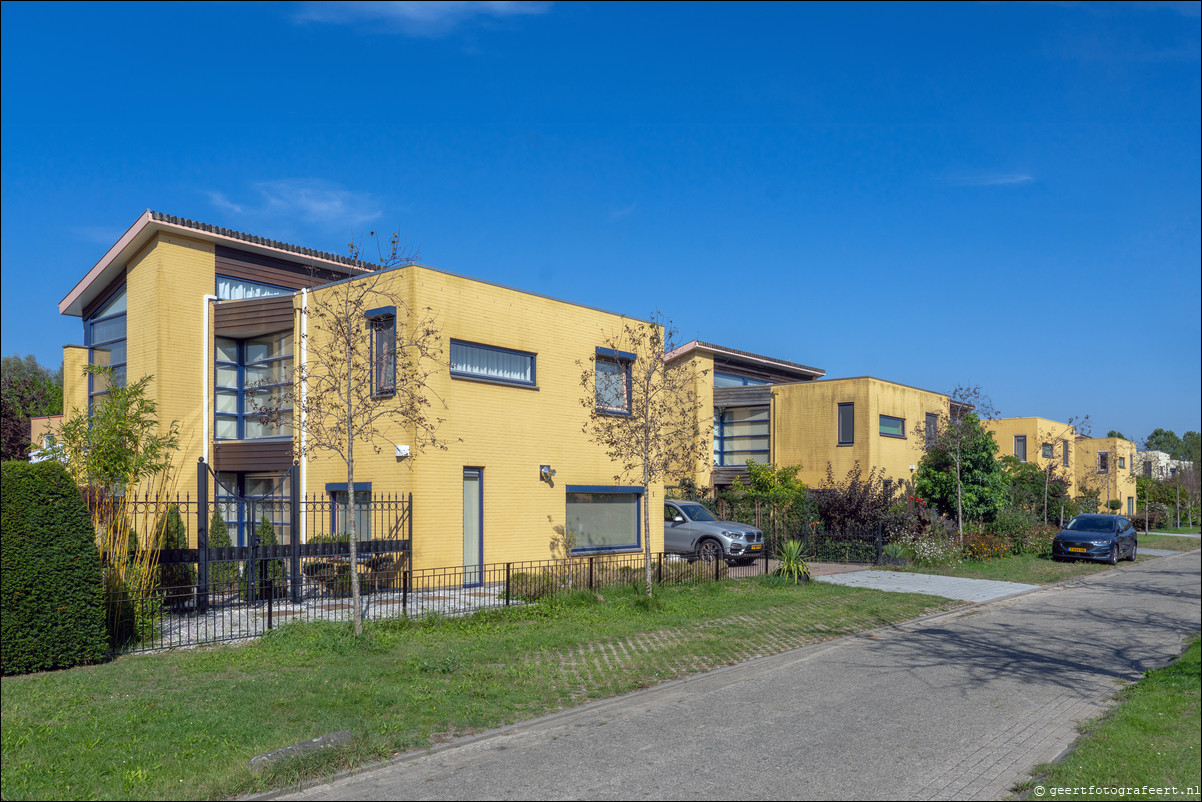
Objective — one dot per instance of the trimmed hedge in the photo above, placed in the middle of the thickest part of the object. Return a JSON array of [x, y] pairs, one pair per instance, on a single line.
[[52, 594]]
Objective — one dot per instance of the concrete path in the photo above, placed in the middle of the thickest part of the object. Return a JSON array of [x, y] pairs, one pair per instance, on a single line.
[[949, 587], [1157, 552], [1177, 534], [955, 706]]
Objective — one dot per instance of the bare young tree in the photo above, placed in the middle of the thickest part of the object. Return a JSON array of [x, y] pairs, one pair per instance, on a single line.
[[1066, 433], [644, 411], [369, 355]]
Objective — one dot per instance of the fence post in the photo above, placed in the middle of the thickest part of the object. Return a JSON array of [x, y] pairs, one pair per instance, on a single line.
[[294, 521], [659, 579], [590, 572], [252, 565], [405, 588], [202, 536], [879, 546], [717, 562], [508, 573]]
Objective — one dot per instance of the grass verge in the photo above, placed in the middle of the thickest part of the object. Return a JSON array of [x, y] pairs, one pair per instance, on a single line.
[[184, 724], [1031, 569], [1151, 741], [1167, 542]]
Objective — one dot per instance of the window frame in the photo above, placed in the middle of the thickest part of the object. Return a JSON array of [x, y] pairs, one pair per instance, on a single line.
[[478, 377], [1047, 451], [333, 489], [625, 362], [1020, 438], [1065, 457], [93, 345], [931, 430], [383, 365], [726, 442], [241, 390], [637, 492], [1103, 462], [850, 440], [881, 426]]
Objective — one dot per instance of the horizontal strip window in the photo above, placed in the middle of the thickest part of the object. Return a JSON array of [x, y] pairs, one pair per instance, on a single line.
[[892, 427], [236, 289], [489, 363], [731, 380]]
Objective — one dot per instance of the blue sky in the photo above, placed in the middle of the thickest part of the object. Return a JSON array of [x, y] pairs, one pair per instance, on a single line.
[[995, 194]]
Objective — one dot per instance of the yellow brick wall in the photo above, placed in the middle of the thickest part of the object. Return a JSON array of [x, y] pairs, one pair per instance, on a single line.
[[805, 427], [507, 431], [701, 366], [75, 380], [165, 285], [1116, 483]]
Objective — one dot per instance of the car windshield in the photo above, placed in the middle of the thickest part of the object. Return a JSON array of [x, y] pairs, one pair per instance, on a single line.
[[1092, 523], [695, 512]]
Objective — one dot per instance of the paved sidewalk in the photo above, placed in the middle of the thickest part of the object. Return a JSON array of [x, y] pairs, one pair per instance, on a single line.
[[955, 706], [949, 587], [1176, 534], [1158, 552]]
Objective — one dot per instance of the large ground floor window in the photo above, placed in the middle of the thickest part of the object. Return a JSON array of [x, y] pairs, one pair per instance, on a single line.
[[245, 499], [604, 518]]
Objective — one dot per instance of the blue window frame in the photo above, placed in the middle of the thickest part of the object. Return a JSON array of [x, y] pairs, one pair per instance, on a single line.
[[891, 426], [489, 363], [382, 323], [612, 379], [250, 375], [742, 433], [104, 335], [603, 518], [847, 424], [340, 515], [245, 498]]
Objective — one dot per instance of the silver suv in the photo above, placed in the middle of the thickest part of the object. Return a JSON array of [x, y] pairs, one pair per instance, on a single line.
[[691, 530]]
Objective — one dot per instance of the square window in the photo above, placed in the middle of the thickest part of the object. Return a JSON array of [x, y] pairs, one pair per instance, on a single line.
[[1047, 451]]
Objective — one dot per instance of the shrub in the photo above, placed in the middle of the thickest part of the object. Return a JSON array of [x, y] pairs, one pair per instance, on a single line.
[[982, 546], [791, 562], [177, 581], [936, 545], [266, 574], [223, 576], [53, 603], [1157, 515]]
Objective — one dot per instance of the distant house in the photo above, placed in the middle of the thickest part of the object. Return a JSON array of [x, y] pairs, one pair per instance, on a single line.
[[1047, 443], [1159, 465], [1106, 465]]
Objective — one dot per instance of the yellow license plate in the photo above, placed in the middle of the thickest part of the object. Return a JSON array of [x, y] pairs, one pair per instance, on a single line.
[[1078, 548], [756, 547]]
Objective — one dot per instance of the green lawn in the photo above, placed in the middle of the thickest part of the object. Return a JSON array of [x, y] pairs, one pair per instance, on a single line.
[[1152, 739], [1181, 530], [1167, 542], [1031, 569], [184, 724]]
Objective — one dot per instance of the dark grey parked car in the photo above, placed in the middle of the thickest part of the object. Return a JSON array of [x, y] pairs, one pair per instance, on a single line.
[[1096, 537], [690, 529]]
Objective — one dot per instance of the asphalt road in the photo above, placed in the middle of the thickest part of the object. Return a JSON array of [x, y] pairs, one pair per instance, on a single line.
[[955, 706]]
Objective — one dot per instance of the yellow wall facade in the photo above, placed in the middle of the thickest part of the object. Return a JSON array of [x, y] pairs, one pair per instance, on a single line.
[[805, 427], [507, 431], [1118, 481], [75, 380], [1039, 431]]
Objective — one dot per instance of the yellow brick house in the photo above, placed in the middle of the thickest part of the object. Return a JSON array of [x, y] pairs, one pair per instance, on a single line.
[[220, 318], [1047, 443], [1106, 465]]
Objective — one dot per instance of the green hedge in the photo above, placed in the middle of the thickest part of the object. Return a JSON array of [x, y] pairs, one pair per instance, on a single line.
[[53, 599]]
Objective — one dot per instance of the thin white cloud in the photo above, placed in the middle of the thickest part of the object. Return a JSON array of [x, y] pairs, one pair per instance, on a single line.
[[618, 214], [296, 200], [989, 179], [427, 19], [102, 235]]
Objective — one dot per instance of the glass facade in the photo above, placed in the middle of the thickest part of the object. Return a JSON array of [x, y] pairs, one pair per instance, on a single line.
[[104, 335], [252, 383], [740, 434]]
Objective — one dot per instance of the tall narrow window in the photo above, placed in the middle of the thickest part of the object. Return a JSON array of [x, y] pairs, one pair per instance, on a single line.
[[1064, 451], [932, 429], [104, 334], [383, 350], [1103, 462], [847, 424], [1020, 447], [612, 374], [340, 512]]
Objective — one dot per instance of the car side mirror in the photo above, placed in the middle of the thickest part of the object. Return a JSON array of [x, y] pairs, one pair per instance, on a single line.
[[679, 519]]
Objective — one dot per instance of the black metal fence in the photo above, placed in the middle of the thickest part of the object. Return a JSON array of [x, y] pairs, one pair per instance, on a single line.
[[252, 589]]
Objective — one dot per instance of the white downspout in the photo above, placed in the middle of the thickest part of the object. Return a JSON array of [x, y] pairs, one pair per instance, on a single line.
[[304, 391], [205, 369]]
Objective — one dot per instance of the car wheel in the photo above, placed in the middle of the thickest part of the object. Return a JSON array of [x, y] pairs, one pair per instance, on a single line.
[[709, 551], [1134, 549], [1114, 555]]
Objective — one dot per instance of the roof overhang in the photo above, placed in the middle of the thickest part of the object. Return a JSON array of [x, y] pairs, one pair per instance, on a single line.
[[803, 372], [149, 224]]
